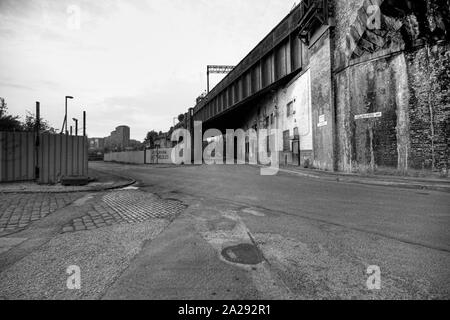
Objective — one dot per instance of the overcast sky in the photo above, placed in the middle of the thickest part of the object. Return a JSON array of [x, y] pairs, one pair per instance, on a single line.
[[127, 62]]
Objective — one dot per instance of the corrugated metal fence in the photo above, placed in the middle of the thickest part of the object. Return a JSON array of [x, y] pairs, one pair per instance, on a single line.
[[61, 155], [46, 159], [17, 156]]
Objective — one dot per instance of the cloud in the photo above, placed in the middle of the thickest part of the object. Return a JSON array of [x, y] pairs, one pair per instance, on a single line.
[[13, 85], [140, 62]]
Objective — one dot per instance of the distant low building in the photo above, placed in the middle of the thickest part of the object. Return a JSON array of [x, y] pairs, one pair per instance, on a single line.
[[96, 143], [163, 140], [134, 145]]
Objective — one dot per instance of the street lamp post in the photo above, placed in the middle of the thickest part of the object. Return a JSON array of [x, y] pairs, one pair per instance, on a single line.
[[65, 117], [84, 123], [76, 125]]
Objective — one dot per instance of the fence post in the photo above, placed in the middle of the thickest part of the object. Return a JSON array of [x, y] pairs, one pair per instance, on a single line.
[[37, 128]]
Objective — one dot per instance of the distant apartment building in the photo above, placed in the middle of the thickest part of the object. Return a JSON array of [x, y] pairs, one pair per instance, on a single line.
[[119, 138]]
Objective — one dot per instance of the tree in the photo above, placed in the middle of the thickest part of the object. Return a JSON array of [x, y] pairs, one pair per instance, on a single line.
[[3, 107], [8, 122], [30, 124], [149, 140], [181, 118]]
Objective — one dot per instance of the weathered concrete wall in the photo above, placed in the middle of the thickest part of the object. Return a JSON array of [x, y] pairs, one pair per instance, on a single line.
[[322, 100], [134, 157], [367, 88], [401, 69]]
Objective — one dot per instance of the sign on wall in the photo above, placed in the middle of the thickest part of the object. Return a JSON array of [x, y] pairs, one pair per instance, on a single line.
[[322, 121], [368, 115], [162, 155]]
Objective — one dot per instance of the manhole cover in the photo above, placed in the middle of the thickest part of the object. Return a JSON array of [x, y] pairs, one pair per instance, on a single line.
[[243, 253]]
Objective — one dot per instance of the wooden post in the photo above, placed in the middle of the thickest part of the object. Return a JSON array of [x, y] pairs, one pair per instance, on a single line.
[[37, 129]]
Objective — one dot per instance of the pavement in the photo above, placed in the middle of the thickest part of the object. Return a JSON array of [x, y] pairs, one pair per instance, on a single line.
[[98, 181], [426, 182], [18, 211], [226, 232], [100, 233]]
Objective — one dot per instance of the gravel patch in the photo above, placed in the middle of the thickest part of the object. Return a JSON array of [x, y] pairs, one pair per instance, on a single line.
[[102, 255]]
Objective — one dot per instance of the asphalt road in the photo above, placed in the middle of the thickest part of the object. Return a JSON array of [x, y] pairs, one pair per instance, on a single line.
[[316, 238]]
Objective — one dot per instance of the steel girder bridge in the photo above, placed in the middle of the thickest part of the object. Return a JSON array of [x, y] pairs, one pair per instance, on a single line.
[[281, 55]]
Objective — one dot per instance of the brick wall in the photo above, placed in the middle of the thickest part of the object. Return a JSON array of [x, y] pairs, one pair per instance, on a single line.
[[429, 106]]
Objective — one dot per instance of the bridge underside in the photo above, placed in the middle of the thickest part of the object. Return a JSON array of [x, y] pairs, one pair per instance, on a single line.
[[236, 117]]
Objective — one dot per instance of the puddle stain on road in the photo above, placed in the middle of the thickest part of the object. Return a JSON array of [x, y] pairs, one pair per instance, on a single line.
[[225, 231], [243, 254]]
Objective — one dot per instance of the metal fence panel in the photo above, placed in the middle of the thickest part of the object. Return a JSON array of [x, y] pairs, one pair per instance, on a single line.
[[17, 156], [54, 157], [62, 155]]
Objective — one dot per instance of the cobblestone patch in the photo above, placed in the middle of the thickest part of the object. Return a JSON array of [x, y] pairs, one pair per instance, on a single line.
[[125, 206], [20, 210]]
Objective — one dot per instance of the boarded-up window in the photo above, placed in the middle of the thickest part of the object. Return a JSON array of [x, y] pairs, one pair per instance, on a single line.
[[296, 135], [290, 109], [286, 141]]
